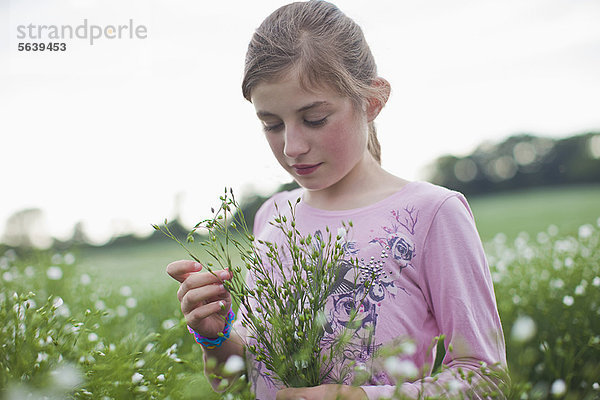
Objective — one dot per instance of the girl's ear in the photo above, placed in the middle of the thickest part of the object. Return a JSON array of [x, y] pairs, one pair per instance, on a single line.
[[375, 104]]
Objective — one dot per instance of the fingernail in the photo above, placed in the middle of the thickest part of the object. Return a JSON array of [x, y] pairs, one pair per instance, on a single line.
[[224, 274], [197, 266]]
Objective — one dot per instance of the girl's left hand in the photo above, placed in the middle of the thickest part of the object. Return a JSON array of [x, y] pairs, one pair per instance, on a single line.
[[323, 392]]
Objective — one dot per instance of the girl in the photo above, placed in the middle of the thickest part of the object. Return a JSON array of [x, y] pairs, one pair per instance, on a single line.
[[312, 79]]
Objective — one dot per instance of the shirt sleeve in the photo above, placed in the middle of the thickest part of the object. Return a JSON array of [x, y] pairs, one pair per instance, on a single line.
[[457, 286]]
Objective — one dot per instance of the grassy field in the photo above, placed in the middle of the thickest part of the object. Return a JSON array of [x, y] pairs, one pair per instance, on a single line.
[[105, 323], [534, 210]]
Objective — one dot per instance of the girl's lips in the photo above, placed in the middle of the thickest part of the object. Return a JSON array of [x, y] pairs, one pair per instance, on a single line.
[[305, 169]]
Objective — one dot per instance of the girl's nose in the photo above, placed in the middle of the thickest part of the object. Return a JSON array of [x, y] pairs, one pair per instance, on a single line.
[[295, 143]]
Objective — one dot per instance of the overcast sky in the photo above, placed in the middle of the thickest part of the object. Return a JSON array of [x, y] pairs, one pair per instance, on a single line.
[[113, 133]]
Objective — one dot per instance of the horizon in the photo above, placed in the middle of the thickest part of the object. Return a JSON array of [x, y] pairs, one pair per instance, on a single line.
[[124, 132]]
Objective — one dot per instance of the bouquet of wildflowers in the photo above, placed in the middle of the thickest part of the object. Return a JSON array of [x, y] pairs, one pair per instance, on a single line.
[[283, 310]]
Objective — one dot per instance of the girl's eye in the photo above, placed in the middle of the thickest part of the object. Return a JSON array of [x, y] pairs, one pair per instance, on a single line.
[[271, 128], [315, 123]]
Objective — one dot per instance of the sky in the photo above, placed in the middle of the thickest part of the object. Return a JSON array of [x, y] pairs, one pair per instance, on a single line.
[[122, 133]]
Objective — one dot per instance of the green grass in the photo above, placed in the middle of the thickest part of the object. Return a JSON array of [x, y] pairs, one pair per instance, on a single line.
[[534, 210]]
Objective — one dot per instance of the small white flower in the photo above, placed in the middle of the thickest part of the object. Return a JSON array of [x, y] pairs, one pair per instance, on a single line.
[[137, 377], [100, 305], [41, 357], [112, 347], [7, 276], [568, 301], [596, 385], [234, 364], [29, 271], [125, 291], [557, 283], [405, 368], [142, 389], [454, 386], [580, 290], [596, 281], [161, 378], [85, 279], [57, 302], [121, 311], [131, 302], [66, 377], [559, 388], [585, 231], [408, 348], [140, 363], [69, 259], [168, 324], [54, 273], [524, 329], [148, 347], [92, 337]]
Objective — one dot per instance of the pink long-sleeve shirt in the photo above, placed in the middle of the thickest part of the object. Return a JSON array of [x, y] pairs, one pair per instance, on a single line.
[[431, 278]]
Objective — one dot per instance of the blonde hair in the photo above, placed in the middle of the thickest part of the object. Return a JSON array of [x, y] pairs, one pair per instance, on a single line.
[[324, 47]]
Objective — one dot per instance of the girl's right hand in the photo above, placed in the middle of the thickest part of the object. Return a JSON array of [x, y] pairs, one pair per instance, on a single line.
[[204, 301]]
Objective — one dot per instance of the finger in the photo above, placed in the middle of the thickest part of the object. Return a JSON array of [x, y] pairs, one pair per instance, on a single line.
[[180, 270], [290, 394], [202, 295], [197, 280], [200, 313]]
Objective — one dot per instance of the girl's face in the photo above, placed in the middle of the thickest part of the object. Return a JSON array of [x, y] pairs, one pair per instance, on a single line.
[[319, 137]]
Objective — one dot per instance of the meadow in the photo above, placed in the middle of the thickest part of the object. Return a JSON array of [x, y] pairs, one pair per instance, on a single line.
[[105, 323]]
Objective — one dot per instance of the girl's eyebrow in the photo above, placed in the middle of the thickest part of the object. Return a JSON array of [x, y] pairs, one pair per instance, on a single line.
[[301, 109]]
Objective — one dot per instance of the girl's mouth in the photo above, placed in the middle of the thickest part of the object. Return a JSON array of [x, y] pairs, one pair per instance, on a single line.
[[305, 169]]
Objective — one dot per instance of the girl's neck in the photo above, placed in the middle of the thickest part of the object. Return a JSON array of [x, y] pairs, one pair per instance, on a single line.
[[366, 184]]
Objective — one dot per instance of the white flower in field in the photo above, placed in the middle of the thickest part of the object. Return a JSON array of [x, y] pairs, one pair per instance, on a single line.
[[160, 378], [580, 290], [66, 377], [140, 363], [553, 230], [29, 271], [57, 302], [234, 364], [596, 385], [92, 337], [524, 329], [137, 377], [557, 283], [404, 368], [125, 291], [41, 357], [7, 276], [454, 387], [121, 311], [148, 347], [142, 389], [54, 273], [85, 279], [559, 388], [569, 262], [168, 324], [131, 302], [69, 259], [585, 231], [100, 305], [112, 347], [568, 301], [408, 348], [596, 281]]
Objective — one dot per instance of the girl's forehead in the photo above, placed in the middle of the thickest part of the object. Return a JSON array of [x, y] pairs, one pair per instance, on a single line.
[[289, 90]]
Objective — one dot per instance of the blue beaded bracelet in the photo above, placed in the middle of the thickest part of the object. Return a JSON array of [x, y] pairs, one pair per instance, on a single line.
[[211, 343]]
